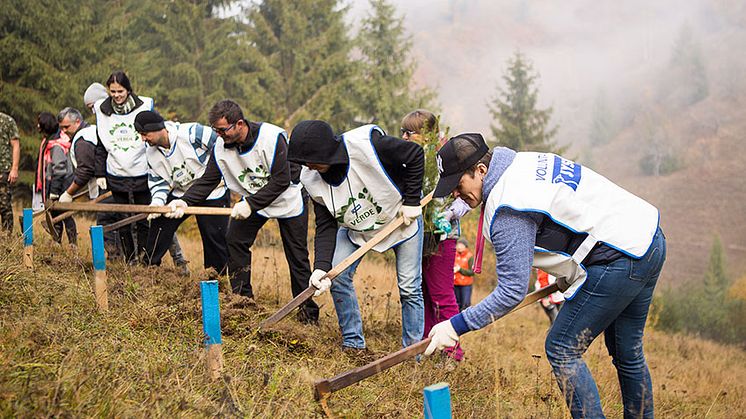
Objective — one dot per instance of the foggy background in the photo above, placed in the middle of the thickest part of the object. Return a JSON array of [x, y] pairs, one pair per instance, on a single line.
[[578, 48]]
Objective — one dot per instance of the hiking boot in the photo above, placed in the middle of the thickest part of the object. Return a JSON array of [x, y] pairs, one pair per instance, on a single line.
[[304, 317], [183, 268]]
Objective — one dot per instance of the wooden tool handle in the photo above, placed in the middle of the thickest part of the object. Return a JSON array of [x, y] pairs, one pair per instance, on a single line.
[[67, 214], [341, 266], [348, 378], [134, 208]]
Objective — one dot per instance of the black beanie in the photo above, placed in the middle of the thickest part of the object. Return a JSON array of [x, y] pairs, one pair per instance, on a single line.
[[149, 121], [315, 142]]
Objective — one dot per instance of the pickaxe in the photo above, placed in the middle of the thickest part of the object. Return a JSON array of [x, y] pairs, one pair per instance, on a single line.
[[323, 388]]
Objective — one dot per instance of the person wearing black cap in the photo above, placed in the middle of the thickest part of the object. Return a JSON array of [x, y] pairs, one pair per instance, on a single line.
[[177, 155], [603, 244], [360, 182], [251, 157]]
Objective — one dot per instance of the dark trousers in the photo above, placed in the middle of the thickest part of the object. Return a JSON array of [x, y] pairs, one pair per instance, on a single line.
[[70, 228], [131, 253], [294, 232], [463, 296], [112, 244], [212, 228], [6, 204]]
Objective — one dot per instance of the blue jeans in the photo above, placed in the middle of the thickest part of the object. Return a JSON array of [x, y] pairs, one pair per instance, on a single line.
[[615, 300], [409, 277]]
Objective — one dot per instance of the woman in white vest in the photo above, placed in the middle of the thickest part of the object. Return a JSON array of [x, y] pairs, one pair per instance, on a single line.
[[360, 182], [602, 243], [251, 157], [121, 165], [177, 155]]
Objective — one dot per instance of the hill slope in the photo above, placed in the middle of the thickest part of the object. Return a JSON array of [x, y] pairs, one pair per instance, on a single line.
[[59, 356]]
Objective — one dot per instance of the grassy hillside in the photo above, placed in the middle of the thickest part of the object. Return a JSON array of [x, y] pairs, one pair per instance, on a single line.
[[706, 196], [60, 357]]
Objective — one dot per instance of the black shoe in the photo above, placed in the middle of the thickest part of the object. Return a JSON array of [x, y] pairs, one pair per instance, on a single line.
[[304, 317]]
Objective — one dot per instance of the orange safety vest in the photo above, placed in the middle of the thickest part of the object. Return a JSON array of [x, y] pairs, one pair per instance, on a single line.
[[462, 261]]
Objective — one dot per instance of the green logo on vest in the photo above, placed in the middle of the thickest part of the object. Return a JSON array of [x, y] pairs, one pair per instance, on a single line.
[[254, 179], [361, 213], [181, 175], [124, 137]]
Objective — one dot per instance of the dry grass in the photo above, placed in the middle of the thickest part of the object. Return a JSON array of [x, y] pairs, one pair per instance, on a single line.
[[60, 357]]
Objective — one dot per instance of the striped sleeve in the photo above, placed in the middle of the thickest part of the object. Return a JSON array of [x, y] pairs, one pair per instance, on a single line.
[[203, 140], [159, 188]]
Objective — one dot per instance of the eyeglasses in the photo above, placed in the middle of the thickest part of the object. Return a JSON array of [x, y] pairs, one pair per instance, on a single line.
[[222, 131], [406, 131]]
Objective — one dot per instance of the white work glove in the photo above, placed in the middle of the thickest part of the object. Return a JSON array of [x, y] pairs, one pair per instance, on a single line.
[[456, 268], [53, 196], [65, 198], [177, 208], [317, 282], [153, 215], [442, 335], [241, 210], [101, 182], [410, 213]]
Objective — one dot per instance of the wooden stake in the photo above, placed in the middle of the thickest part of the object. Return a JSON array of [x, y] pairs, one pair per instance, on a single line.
[[211, 327], [99, 268], [341, 266], [323, 388], [28, 238]]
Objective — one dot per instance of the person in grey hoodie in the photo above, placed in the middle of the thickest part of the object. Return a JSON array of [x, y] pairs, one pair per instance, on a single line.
[[602, 243]]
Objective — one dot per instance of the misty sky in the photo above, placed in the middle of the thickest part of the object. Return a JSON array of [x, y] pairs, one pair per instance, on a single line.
[[578, 47]]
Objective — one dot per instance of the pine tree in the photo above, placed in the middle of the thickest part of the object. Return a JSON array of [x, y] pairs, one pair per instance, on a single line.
[[299, 63], [685, 81], [602, 129], [520, 125], [50, 51], [385, 89], [716, 280], [185, 57]]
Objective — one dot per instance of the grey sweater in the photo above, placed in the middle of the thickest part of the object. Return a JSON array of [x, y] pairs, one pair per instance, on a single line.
[[513, 235]]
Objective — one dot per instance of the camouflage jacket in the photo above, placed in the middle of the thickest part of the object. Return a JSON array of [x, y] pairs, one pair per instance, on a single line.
[[8, 131]]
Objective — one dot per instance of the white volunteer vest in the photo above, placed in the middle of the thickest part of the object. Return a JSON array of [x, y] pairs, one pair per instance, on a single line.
[[86, 134], [180, 165], [578, 199], [246, 173], [126, 149], [366, 200]]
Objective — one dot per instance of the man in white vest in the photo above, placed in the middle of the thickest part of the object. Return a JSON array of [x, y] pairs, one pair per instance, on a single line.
[[82, 152], [251, 158], [177, 154], [360, 182], [602, 243]]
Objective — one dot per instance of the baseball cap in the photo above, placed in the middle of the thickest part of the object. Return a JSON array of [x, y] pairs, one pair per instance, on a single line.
[[149, 121], [457, 156]]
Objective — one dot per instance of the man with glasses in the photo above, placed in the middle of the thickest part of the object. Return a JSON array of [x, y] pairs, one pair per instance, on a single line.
[[251, 157]]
